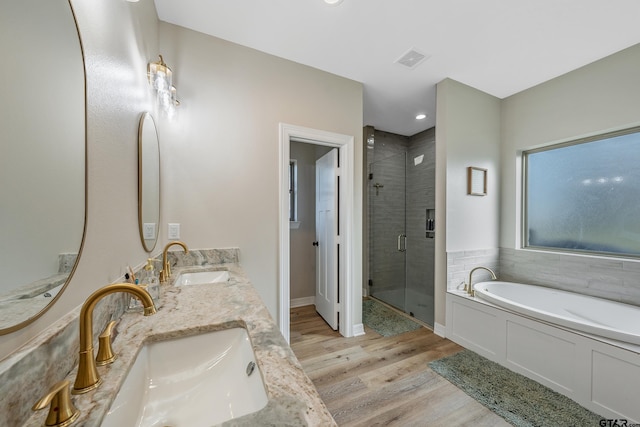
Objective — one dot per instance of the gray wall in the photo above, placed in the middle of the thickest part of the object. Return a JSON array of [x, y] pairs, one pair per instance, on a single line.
[[467, 134], [219, 153], [118, 39], [474, 128], [221, 176], [600, 97]]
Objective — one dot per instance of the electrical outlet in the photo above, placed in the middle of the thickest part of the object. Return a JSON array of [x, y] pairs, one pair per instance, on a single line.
[[149, 230], [174, 231]]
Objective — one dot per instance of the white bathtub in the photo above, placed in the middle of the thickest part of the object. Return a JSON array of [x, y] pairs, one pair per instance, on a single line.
[[583, 313]]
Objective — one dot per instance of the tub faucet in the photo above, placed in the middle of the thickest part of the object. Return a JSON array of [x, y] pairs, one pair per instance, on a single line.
[[165, 273], [87, 377], [469, 285]]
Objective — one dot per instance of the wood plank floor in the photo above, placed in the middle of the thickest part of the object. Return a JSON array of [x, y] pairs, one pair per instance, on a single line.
[[373, 380]]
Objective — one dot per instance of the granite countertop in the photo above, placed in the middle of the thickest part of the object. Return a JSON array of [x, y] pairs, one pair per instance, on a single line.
[[189, 310]]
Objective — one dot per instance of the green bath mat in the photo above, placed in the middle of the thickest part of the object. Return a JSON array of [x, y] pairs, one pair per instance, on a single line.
[[516, 398], [384, 320]]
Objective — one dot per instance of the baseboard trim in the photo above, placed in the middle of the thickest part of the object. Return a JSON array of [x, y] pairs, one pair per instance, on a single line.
[[358, 329], [440, 330], [300, 302]]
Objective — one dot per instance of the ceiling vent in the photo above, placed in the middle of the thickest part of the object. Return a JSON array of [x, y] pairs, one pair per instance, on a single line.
[[411, 59]]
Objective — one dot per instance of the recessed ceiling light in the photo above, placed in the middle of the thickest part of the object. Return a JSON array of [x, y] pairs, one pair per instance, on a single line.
[[333, 2], [421, 116]]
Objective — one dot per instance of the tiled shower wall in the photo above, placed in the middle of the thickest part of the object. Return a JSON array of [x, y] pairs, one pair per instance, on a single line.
[[386, 166], [421, 195], [390, 157]]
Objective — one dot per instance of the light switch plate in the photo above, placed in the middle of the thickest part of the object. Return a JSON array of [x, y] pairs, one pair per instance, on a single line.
[[174, 231]]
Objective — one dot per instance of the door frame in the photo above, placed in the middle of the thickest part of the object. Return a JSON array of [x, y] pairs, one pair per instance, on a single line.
[[345, 144]]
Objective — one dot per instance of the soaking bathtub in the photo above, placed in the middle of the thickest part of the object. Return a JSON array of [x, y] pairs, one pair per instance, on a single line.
[[604, 318], [585, 348]]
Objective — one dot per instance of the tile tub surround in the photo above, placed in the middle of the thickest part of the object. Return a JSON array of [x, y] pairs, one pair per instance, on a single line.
[[183, 311], [460, 263], [599, 276], [610, 278]]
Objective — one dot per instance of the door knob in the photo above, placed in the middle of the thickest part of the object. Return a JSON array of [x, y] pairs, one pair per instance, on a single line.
[[315, 243]]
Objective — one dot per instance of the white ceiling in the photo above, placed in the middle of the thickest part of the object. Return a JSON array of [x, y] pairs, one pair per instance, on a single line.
[[498, 46]]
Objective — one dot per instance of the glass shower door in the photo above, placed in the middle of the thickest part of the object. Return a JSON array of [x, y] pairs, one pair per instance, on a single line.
[[387, 230]]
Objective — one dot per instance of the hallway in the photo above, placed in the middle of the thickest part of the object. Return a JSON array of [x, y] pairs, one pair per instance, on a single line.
[[376, 381]]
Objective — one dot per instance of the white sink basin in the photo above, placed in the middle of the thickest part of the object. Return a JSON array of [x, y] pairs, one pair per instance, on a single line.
[[202, 277], [201, 380]]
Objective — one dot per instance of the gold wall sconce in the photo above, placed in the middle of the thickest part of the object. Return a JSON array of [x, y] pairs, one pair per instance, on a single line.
[[161, 79]]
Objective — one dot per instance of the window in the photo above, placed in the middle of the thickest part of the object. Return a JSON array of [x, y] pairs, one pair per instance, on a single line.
[[293, 190], [584, 196]]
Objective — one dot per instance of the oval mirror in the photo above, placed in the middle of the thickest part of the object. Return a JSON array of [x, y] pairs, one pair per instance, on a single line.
[[148, 182], [43, 156]]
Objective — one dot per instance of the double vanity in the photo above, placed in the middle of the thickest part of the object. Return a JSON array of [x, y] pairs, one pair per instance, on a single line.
[[210, 355]]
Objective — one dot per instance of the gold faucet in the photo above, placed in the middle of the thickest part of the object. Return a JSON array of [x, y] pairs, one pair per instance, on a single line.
[[469, 286], [166, 268], [105, 352], [87, 377], [62, 413]]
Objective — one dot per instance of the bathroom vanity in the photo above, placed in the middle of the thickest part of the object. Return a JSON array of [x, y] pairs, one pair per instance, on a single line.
[[197, 309]]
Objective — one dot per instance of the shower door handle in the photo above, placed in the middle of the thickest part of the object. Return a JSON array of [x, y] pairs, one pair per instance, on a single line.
[[402, 242]]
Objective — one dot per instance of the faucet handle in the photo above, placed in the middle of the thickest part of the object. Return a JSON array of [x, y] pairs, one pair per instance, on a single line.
[[61, 410], [105, 352], [165, 273]]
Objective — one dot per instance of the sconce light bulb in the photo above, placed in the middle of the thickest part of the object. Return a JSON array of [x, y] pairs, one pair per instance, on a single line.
[[160, 83], [164, 98]]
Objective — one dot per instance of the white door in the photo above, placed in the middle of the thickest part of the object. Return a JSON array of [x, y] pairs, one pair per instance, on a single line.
[[327, 237]]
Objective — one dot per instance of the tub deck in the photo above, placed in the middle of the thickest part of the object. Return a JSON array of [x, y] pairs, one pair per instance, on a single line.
[[599, 373], [597, 316]]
